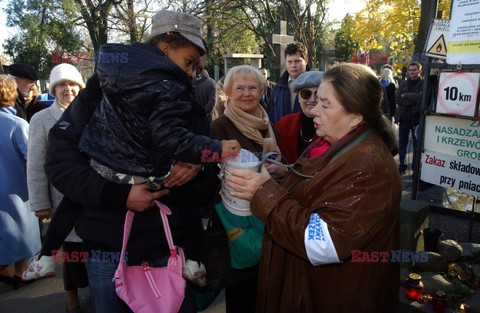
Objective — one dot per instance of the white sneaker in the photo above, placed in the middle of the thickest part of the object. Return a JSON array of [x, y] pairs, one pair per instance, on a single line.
[[39, 268], [195, 272]]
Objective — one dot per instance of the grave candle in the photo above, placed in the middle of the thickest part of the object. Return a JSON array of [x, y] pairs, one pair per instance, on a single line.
[[414, 286]]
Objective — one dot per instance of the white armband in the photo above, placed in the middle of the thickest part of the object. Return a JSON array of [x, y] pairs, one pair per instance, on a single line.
[[318, 243]]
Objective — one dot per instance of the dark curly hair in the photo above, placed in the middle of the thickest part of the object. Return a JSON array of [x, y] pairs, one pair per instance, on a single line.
[[295, 47]]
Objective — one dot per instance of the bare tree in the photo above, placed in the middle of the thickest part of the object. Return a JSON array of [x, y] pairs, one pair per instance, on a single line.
[[94, 14], [305, 20], [132, 18]]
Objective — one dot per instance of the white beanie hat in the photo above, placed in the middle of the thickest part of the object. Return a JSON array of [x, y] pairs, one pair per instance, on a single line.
[[63, 72]]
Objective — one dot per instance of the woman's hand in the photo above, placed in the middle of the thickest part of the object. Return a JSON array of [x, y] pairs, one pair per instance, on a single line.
[[275, 170], [244, 183], [181, 174]]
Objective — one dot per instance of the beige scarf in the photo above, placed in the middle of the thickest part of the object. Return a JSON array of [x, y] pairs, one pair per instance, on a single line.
[[250, 125]]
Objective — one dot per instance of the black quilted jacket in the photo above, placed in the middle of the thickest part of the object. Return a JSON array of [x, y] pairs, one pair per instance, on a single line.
[[147, 118]]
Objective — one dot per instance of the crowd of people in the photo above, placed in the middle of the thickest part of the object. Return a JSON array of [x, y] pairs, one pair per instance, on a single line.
[[136, 132]]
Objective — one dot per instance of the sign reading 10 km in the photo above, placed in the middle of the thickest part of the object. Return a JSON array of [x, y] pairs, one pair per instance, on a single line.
[[457, 93]]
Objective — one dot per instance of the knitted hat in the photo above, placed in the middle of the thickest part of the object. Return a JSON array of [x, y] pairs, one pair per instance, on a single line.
[[307, 79], [63, 72], [186, 24], [23, 71]]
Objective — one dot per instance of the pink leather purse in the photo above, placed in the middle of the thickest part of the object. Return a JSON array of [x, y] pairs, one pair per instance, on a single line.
[[148, 289]]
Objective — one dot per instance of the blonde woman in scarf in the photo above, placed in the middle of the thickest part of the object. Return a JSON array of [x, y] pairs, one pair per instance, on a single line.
[[244, 118], [246, 121]]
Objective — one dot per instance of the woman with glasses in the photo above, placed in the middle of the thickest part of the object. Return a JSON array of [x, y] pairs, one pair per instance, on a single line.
[[244, 118], [296, 130], [246, 121]]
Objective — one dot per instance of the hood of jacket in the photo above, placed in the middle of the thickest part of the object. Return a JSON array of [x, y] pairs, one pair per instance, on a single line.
[[126, 67]]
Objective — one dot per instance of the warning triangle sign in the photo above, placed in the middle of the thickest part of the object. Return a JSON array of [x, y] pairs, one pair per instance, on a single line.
[[439, 47]]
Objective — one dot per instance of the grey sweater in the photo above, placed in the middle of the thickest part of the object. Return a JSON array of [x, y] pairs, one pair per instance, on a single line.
[[41, 193]]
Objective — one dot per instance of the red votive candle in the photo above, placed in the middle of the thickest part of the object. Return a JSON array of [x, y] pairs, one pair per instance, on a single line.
[[414, 286]]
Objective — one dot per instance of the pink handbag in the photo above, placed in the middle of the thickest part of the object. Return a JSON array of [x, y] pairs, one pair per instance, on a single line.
[[148, 289]]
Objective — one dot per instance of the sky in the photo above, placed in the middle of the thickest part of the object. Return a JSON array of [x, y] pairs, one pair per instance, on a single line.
[[337, 10], [5, 32]]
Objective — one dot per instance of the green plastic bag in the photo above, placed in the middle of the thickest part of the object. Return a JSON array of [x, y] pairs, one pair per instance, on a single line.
[[245, 235]]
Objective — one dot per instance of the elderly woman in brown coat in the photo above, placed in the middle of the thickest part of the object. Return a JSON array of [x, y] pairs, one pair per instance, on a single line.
[[342, 196]]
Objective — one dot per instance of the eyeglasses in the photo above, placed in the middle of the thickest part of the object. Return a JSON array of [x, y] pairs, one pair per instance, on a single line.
[[306, 94]]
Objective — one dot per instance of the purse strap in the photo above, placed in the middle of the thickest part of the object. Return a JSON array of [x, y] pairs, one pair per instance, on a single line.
[[164, 211]]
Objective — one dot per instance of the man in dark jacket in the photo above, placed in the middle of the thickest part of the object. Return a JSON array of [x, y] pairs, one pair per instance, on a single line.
[[408, 99], [265, 100], [284, 101], [104, 203], [204, 87], [27, 102]]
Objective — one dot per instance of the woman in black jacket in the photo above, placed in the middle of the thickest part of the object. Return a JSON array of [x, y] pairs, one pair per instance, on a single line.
[[390, 86]]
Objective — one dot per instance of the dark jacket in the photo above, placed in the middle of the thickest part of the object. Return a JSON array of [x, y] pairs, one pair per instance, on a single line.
[[147, 118], [266, 99], [388, 101], [204, 87], [280, 101], [408, 102], [392, 106], [359, 201], [26, 112], [102, 202]]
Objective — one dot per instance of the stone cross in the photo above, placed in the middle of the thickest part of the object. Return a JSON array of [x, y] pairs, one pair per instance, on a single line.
[[280, 40]]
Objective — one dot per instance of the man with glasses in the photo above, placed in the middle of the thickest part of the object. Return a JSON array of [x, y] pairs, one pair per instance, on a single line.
[[26, 78], [284, 100]]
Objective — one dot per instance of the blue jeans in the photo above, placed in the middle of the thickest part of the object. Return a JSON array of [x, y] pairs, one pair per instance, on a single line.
[[102, 290], [403, 133]]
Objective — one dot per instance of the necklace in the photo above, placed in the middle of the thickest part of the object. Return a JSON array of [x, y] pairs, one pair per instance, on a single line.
[[303, 138]]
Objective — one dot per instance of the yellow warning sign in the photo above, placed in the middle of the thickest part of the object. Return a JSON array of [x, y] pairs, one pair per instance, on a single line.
[[439, 48], [437, 39]]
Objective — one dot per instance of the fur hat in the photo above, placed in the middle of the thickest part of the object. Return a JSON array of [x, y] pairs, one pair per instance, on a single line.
[[308, 79], [186, 24], [63, 72], [23, 71]]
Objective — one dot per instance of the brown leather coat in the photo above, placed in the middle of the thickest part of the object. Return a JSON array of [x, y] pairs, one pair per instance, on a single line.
[[358, 196]]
